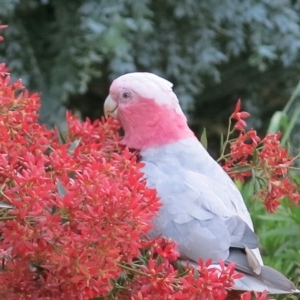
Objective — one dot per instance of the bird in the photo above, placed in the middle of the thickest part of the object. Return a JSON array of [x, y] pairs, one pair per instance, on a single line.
[[202, 209]]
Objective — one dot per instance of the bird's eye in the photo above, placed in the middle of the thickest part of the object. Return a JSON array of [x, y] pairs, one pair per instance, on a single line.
[[125, 95]]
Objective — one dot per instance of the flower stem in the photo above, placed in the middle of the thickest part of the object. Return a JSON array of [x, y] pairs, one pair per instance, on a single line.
[[132, 270]]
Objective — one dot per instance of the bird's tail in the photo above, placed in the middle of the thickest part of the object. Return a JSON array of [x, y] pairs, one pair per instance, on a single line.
[[269, 279]]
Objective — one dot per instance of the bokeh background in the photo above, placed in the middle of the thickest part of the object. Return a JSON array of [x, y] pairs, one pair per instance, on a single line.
[[214, 51]]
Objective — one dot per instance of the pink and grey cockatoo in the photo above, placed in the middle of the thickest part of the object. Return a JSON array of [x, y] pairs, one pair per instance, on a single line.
[[202, 209]]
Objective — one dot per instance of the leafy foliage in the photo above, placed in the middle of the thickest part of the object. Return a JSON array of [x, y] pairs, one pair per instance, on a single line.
[[62, 48], [278, 235]]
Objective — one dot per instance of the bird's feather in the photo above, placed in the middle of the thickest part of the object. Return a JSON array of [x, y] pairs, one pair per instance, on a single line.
[[203, 211], [205, 214]]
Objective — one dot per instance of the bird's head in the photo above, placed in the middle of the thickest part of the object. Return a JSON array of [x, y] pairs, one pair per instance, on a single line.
[[147, 109]]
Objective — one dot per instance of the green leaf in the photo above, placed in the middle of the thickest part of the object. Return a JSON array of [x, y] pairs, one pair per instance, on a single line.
[[276, 121], [4, 205], [285, 231], [73, 146], [61, 137], [273, 217], [61, 189], [291, 124], [239, 169], [295, 94], [255, 157], [221, 141], [203, 139]]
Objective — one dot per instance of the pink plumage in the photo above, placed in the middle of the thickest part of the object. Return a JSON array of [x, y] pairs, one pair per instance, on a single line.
[[148, 110]]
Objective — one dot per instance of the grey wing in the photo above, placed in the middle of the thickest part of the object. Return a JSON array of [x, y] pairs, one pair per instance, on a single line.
[[205, 214], [218, 180], [197, 219], [194, 216]]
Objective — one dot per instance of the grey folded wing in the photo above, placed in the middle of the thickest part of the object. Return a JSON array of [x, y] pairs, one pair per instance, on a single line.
[[198, 220]]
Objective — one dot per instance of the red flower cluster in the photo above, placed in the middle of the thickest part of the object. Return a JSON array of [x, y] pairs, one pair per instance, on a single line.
[[70, 213], [239, 116], [262, 296], [262, 159], [156, 276]]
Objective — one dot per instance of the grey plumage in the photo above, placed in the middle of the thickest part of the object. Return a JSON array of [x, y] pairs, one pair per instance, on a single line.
[[202, 209], [205, 214]]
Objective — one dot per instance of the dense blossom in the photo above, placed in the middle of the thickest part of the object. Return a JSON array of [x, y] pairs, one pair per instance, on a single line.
[[261, 296], [157, 276], [262, 159], [70, 213]]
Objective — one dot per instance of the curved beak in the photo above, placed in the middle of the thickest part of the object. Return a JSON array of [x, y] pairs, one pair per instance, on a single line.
[[110, 107]]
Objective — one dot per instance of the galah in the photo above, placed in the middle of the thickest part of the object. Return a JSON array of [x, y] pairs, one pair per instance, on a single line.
[[202, 209]]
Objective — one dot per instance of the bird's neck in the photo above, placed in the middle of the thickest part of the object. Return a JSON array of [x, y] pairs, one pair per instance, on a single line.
[[165, 127]]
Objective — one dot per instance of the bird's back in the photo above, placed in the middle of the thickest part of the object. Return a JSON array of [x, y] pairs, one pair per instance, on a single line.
[[188, 155], [204, 212]]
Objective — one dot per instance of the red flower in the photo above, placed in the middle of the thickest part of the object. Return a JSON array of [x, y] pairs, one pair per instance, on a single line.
[[258, 296], [264, 160], [239, 116], [76, 211]]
